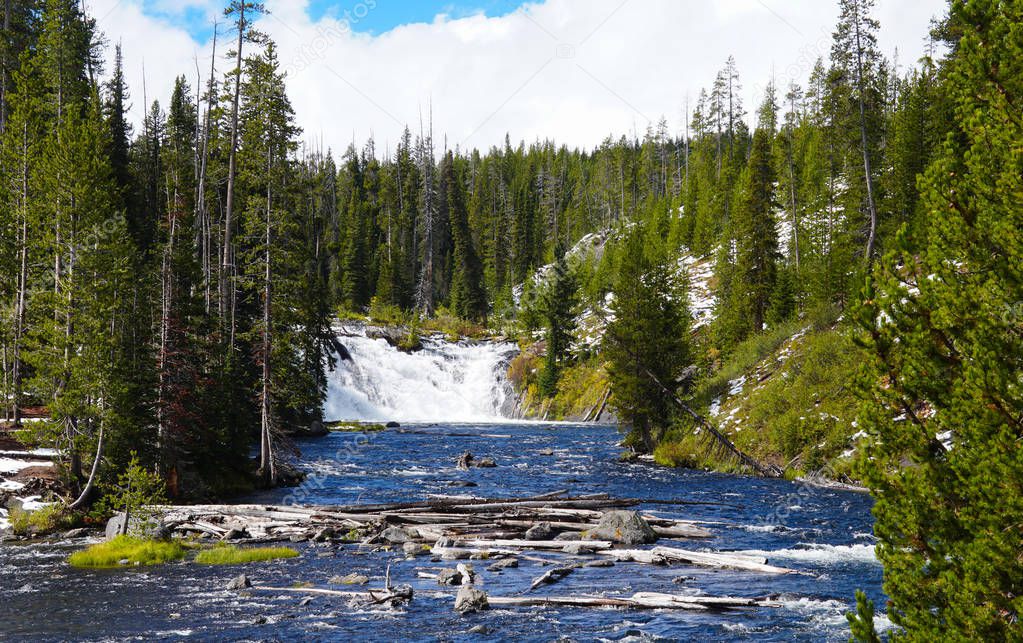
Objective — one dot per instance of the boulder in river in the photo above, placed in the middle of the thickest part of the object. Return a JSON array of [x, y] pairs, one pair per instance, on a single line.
[[350, 579], [467, 460], [412, 549], [540, 531], [623, 527], [503, 564], [449, 577], [600, 562], [397, 535], [137, 526], [470, 599], [239, 582]]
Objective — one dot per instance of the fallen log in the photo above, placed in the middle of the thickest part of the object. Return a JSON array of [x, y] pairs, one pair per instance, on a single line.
[[551, 577], [536, 544], [391, 596], [666, 555], [640, 600]]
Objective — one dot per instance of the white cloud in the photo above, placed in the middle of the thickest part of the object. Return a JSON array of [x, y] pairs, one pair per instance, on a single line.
[[571, 70]]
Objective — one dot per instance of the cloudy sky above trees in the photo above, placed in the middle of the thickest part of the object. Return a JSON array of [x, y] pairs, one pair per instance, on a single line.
[[575, 71]]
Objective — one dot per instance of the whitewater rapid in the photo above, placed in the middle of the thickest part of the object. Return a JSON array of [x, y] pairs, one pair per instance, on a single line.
[[443, 382]]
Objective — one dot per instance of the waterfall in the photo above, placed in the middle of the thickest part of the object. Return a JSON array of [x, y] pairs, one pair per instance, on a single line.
[[443, 382]]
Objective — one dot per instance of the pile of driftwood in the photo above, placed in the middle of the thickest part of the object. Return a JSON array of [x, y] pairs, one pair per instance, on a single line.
[[460, 528], [472, 522], [560, 532]]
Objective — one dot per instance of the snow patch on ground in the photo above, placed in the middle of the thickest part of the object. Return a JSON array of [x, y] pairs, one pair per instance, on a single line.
[[784, 228], [715, 407], [11, 485], [10, 465], [735, 386], [700, 273], [945, 438], [33, 503]]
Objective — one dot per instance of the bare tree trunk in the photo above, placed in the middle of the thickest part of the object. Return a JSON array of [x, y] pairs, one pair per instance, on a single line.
[[84, 496], [226, 281], [266, 456], [794, 213], [19, 310], [4, 64], [202, 210], [871, 207], [424, 295], [166, 305]]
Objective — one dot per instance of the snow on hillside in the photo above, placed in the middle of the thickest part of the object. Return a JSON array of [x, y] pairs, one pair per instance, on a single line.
[[702, 301]]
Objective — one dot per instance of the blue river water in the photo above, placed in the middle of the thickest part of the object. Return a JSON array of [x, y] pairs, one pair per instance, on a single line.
[[825, 534]]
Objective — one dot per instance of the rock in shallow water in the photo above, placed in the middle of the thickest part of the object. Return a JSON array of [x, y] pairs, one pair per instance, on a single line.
[[502, 564], [414, 549], [239, 582], [350, 579], [623, 527], [470, 600], [540, 531], [137, 527]]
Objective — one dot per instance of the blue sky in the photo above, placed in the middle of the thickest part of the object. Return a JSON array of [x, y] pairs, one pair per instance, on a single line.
[[388, 14], [380, 15]]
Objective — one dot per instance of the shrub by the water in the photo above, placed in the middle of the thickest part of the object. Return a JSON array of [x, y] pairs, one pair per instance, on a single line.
[[136, 551], [39, 521]]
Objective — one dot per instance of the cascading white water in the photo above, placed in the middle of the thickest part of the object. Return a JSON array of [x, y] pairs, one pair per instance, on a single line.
[[463, 382]]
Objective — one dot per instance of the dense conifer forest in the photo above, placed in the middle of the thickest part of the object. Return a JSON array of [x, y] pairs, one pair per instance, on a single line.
[[167, 290]]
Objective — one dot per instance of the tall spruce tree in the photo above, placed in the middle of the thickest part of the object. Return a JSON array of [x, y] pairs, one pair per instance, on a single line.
[[647, 343], [469, 299], [557, 304], [757, 232], [946, 345]]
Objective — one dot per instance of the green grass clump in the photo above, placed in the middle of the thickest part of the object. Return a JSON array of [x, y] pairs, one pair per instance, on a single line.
[[231, 555], [355, 427], [136, 551]]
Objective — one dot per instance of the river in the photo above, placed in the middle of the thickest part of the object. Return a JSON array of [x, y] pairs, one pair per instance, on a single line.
[[825, 534]]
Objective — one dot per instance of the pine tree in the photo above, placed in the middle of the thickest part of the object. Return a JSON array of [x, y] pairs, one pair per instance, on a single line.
[[856, 60], [273, 259], [647, 343], [557, 307], [243, 12], [468, 296], [756, 232], [946, 346], [115, 109]]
